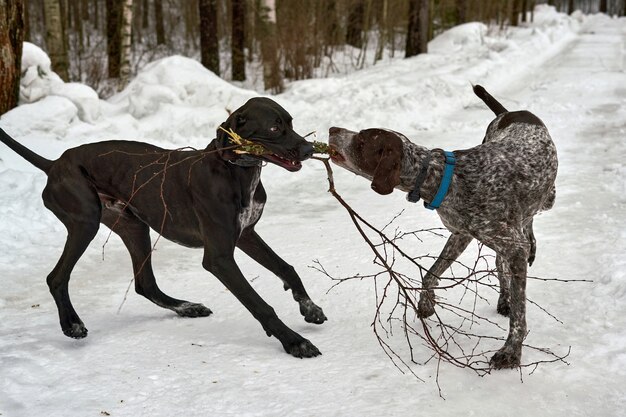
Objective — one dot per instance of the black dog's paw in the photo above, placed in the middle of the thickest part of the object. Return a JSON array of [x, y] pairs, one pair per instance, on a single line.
[[311, 312], [192, 310], [426, 305], [303, 349], [506, 358], [76, 331]]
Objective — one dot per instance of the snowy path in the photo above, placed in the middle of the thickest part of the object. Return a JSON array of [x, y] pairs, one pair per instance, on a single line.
[[146, 361]]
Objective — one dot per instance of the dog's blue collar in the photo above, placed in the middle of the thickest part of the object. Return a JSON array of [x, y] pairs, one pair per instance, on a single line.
[[445, 182], [414, 195]]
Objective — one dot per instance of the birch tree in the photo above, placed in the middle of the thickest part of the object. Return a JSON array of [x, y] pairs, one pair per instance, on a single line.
[[272, 77], [126, 39]]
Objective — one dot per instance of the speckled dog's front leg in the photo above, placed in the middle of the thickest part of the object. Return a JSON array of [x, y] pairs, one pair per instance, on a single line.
[[504, 277], [455, 245]]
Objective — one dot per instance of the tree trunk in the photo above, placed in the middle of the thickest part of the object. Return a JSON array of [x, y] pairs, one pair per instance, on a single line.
[[114, 20], [158, 19], [78, 25], [354, 29], [26, 21], [382, 31], [330, 23], [515, 11], [84, 9], [55, 38], [417, 33], [11, 39], [126, 31], [524, 10], [238, 40], [145, 14], [461, 11], [603, 6], [272, 75], [96, 14], [209, 43]]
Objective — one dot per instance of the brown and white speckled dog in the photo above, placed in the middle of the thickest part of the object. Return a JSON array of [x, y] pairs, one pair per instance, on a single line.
[[496, 189]]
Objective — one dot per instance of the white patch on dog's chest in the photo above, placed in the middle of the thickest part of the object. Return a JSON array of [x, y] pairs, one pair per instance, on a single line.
[[250, 214]]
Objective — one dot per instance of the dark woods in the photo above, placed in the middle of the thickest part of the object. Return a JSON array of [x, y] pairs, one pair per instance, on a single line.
[[103, 42]]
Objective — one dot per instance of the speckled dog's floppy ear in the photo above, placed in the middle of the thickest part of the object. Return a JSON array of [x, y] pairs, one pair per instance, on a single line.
[[387, 174]]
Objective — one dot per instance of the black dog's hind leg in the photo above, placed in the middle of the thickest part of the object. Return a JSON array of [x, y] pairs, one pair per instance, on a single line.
[[77, 205], [136, 237], [453, 248], [252, 245]]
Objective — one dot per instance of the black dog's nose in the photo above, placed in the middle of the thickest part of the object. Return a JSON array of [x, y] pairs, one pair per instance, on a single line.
[[306, 151]]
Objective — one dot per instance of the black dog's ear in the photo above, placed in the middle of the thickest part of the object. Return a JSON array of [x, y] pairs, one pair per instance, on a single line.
[[387, 173], [230, 123]]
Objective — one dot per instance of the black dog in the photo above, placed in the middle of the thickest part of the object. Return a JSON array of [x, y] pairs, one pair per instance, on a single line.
[[210, 198]]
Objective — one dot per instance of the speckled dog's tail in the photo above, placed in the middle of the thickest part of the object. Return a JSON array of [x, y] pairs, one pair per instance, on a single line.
[[491, 102]]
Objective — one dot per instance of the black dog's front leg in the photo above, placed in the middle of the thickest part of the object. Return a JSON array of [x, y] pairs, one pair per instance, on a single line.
[[252, 245], [219, 260]]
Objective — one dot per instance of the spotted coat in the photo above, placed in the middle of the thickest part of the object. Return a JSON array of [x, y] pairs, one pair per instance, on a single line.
[[497, 188]]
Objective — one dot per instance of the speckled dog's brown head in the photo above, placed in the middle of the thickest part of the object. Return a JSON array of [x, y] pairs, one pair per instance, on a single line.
[[375, 154]]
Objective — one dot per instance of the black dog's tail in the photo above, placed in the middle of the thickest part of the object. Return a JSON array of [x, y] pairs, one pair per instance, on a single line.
[[491, 102], [37, 160]]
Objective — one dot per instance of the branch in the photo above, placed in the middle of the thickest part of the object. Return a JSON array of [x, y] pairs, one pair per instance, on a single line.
[[448, 333]]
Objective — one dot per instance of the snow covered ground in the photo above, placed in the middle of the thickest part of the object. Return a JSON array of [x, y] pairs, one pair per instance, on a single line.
[[570, 71]]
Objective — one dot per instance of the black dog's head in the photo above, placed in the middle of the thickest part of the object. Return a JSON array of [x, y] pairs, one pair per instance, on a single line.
[[263, 121]]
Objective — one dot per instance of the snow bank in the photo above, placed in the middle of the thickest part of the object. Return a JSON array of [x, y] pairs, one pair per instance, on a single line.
[[177, 101], [177, 96], [39, 81], [418, 89], [466, 36]]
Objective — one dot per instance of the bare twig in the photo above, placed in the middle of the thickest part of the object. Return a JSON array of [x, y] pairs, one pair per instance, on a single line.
[[448, 333]]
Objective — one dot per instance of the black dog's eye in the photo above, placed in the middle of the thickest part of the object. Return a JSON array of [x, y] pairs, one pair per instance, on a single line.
[[274, 129]]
